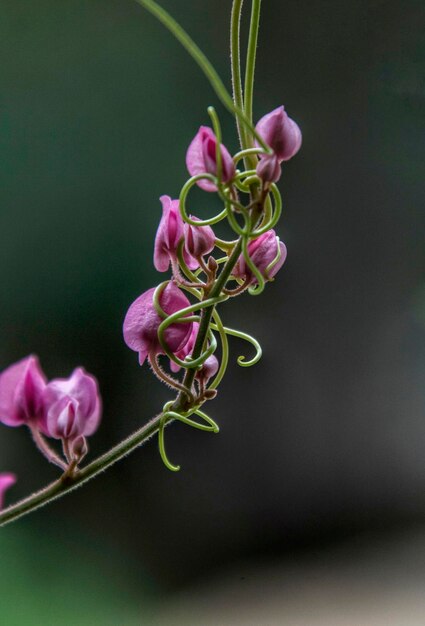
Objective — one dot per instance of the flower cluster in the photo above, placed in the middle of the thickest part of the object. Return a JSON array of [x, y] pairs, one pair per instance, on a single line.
[[68, 409], [162, 320]]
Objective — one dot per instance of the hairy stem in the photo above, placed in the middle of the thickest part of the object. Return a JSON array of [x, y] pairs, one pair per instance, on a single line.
[[235, 57], [64, 485], [250, 58], [202, 61], [45, 449], [181, 401]]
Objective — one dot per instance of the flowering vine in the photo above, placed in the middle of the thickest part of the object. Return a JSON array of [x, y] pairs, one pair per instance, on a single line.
[[175, 326]]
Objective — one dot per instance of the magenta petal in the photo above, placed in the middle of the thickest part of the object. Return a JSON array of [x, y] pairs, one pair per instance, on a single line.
[[283, 254], [209, 369], [21, 390], [293, 139], [6, 481], [201, 158], [142, 321], [262, 251], [281, 133], [228, 165], [142, 357], [199, 240], [72, 405], [187, 348], [190, 261], [61, 420], [174, 367], [269, 169], [161, 260], [168, 235], [195, 162]]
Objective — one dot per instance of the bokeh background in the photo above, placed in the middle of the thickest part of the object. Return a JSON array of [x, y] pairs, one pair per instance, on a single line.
[[309, 507]]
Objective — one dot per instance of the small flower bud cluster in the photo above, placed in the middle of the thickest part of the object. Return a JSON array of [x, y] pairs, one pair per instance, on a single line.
[[284, 138], [67, 409], [162, 320], [267, 253]]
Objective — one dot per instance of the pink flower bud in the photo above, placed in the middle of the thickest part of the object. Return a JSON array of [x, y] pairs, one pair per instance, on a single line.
[[187, 348], [21, 392], [6, 481], [169, 235], [79, 448], [208, 370], [281, 133], [142, 322], [262, 251], [201, 158], [72, 406], [268, 168], [199, 240], [209, 367]]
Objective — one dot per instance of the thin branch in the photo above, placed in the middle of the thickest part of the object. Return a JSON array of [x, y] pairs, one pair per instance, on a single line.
[[64, 485]]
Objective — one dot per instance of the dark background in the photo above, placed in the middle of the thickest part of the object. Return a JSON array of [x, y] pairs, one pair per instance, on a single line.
[[323, 440]]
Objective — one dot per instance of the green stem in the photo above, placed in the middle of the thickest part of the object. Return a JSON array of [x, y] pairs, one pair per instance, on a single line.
[[181, 401], [235, 57], [250, 59], [60, 487], [200, 59]]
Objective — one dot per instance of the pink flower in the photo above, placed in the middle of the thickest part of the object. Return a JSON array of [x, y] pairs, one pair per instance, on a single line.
[[283, 136], [201, 158], [21, 392], [142, 321], [199, 240], [168, 236], [208, 370], [73, 406], [262, 251], [6, 481], [187, 349], [210, 366], [268, 168]]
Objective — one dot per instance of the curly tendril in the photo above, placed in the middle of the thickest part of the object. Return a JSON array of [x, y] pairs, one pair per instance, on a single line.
[[240, 335], [183, 196], [169, 415]]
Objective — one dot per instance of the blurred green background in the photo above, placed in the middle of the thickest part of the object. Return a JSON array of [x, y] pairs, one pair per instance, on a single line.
[[322, 441]]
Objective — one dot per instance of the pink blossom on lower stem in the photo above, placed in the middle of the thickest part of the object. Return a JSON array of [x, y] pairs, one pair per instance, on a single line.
[[168, 236], [142, 321], [262, 251], [6, 481], [72, 406], [201, 158], [21, 392]]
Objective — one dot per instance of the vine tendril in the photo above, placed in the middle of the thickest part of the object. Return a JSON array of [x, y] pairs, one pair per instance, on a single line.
[[169, 415], [241, 335], [183, 196]]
